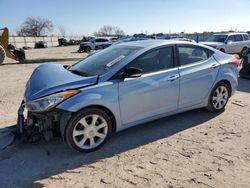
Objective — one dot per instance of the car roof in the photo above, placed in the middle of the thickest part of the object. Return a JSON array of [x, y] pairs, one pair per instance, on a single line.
[[152, 42]]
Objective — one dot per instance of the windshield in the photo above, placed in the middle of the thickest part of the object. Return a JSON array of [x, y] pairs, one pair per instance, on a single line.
[[217, 38], [100, 62]]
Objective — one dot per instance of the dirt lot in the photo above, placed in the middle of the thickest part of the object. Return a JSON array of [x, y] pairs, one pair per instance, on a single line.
[[192, 149]]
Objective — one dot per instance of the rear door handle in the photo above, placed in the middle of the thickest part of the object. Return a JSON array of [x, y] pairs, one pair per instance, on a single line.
[[173, 77], [215, 65]]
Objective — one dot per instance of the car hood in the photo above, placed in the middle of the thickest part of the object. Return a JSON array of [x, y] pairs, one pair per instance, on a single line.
[[213, 44], [52, 78]]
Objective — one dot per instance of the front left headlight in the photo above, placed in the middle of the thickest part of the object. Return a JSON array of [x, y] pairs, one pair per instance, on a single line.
[[48, 102]]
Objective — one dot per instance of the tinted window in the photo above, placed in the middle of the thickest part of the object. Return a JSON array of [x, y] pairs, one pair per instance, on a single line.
[[192, 54], [101, 40], [154, 60], [238, 38], [231, 38], [217, 38], [246, 37]]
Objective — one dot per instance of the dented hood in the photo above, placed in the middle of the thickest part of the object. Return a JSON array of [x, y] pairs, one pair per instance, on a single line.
[[52, 78]]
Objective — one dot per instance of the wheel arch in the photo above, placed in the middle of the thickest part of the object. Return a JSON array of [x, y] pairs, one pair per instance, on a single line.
[[105, 109], [222, 50], [228, 83]]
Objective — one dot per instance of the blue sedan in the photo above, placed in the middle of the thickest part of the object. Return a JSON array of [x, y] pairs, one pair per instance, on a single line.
[[122, 86]]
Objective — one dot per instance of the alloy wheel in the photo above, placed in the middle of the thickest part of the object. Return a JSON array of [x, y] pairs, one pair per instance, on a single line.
[[90, 131], [220, 97]]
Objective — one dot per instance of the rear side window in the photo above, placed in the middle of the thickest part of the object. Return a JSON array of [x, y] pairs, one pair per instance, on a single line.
[[155, 60], [246, 37], [193, 54], [238, 38]]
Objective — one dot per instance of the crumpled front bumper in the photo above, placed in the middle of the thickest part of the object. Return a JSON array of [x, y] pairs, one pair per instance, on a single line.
[[48, 124]]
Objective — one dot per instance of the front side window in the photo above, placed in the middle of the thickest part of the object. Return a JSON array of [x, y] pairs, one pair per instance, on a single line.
[[155, 60], [217, 38], [98, 40], [192, 54], [231, 38]]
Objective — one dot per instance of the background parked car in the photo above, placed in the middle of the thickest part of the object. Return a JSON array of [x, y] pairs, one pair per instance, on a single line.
[[94, 44], [129, 39], [183, 39], [245, 71], [41, 44], [231, 43], [62, 42]]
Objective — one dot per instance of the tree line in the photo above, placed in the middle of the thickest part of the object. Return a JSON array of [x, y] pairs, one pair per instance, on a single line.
[[41, 27]]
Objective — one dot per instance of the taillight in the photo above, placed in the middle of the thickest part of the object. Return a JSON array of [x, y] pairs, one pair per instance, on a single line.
[[235, 62]]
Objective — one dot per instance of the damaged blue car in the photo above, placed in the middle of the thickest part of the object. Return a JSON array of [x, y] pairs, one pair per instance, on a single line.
[[124, 85]]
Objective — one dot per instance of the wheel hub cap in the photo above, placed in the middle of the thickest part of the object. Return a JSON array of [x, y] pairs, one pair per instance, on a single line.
[[220, 97], [90, 131]]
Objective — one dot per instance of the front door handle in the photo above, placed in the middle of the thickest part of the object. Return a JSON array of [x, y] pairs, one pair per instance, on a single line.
[[173, 77]]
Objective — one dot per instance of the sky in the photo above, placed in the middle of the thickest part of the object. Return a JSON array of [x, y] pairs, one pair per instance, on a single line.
[[83, 17]]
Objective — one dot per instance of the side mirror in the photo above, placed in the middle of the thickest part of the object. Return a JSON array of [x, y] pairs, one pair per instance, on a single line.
[[131, 72], [229, 42]]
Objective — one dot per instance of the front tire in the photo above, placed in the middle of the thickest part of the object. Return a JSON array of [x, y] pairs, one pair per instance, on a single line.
[[87, 49], [88, 130], [219, 97]]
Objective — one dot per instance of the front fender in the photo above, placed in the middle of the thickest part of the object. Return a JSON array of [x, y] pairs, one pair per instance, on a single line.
[[102, 94]]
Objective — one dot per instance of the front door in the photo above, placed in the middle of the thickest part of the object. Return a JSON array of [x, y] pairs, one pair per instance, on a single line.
[[156, 92]]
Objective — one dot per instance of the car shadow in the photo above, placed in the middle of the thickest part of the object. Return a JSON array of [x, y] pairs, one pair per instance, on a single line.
[[42, 160], [244, 85]]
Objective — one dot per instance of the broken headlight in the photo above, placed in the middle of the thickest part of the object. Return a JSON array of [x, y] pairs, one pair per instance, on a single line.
[[48, 102]]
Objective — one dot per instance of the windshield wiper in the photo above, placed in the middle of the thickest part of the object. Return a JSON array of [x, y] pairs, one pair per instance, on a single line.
[[80, 73]]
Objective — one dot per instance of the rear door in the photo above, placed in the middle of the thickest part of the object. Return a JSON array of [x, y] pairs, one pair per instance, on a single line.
[[231, 45], [239, 44], [156, 92], [198, 71]]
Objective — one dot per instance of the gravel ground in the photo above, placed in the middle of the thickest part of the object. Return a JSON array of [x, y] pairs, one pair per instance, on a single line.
[[192, 149]]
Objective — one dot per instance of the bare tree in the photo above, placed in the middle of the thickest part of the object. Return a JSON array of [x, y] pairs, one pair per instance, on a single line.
[[109, 30], [62, 30], [35, 27], [118, 31]]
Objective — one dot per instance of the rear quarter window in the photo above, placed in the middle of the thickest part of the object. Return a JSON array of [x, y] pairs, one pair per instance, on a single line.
[[193, 54]]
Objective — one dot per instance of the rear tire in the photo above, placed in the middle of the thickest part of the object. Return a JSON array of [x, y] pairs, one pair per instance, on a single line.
[[2, 54], [88, 130], [219, 97]]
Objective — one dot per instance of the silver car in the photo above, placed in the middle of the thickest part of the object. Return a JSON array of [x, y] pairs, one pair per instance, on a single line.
[[231, 43], [94, 44]]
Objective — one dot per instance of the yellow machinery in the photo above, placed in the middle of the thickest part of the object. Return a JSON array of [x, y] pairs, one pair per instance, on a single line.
[[5, 50]]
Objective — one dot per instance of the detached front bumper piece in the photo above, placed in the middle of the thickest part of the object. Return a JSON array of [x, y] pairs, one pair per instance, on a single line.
[[45, 124]]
